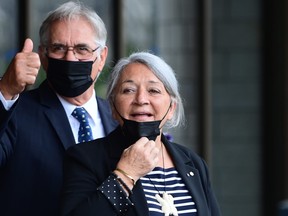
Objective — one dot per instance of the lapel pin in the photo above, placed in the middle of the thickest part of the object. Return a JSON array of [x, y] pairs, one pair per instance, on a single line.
[[190, 173]]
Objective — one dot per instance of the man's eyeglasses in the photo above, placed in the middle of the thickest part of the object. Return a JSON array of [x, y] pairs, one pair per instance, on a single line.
[[80, 52]]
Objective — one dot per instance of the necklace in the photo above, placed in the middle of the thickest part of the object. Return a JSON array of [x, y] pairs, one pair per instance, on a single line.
[[166, 200]]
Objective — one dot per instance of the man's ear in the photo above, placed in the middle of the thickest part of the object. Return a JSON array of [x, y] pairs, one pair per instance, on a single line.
[[102, 57]]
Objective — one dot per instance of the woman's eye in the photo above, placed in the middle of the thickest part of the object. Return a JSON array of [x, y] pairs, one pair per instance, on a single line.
[[128, 90], [154, 91]]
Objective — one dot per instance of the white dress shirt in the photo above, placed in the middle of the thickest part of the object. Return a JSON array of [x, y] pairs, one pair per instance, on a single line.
[[7, 103], [93, 117]]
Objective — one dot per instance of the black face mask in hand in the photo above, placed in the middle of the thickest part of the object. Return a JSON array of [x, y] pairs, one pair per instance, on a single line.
[[134, 130], [69, 78]]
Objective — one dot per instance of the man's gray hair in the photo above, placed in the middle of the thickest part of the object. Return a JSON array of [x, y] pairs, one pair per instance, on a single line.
[[74, 10]]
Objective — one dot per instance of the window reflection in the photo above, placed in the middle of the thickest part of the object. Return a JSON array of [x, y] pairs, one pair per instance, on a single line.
[[8, 33]]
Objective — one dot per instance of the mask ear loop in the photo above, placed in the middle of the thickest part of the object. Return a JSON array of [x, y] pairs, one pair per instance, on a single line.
[[165, 114], [95, 59], [167, 110], [160, 128], [99, 54], [92, 66]]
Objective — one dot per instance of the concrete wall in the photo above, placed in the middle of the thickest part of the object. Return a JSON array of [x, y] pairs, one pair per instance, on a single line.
[[237, 105]]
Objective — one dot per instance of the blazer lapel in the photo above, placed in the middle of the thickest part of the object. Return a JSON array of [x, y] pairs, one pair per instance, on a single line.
[[191, 178], [55, 113], [139, 200]]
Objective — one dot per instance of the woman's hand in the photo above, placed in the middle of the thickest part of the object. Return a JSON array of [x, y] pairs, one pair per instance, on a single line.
[[140, 158]]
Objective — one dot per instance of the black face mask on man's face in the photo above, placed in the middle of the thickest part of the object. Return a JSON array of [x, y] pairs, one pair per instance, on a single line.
[[69, 78]]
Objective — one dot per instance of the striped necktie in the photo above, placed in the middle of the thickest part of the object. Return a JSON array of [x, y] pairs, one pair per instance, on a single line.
[[85, 132]]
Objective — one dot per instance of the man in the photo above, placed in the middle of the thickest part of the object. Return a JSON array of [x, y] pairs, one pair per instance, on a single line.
[[37, 126]]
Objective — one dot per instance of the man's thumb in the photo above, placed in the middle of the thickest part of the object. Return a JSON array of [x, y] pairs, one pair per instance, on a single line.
[[28, 46]]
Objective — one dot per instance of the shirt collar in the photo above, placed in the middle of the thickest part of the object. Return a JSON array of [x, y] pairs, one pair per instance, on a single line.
[[90, 106]]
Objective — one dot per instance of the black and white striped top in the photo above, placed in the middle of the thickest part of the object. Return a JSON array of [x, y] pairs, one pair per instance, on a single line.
[[167, 180]]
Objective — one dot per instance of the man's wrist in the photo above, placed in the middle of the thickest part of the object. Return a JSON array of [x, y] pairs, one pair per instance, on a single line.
[[5, 94]]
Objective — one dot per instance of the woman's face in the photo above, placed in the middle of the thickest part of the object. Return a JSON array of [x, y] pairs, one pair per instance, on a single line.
[[141, 96]]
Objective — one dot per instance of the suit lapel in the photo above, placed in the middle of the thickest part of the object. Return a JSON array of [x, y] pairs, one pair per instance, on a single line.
[[55, 113], [106, 116], [59, 121]]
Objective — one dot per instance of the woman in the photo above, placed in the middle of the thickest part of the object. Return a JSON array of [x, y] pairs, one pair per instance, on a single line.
[[135, 170]]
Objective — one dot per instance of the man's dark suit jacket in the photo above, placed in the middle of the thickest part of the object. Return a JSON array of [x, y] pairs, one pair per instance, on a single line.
[[33, 138], [87, 166]]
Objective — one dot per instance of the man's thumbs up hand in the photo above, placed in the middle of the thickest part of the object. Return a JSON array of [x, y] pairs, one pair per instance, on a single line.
[[28, 46], [21, 72]]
